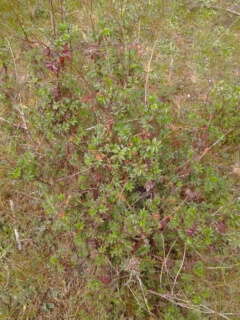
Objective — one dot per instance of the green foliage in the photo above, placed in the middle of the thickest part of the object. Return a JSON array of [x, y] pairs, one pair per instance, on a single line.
[[119, 185]]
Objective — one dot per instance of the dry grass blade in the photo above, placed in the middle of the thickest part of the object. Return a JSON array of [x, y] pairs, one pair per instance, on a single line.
[[180, 269], [148, 70], [188, 305]]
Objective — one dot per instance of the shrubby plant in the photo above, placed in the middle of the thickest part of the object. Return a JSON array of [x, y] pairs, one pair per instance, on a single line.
[[119, 169]]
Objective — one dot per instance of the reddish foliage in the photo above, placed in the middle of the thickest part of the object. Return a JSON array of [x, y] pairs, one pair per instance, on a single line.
[[192, 231], [57, 58], [65, 55], [105, 279], [163, 223], [149, 185], [52, 66], [191, 195], [221, 227]]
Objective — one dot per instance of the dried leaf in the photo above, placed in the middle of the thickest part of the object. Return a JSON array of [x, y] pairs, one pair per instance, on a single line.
[[105, 279], [52, 66], [191, 231], [236, 171], [149, 185], [163, 223], [221, 227], [133, 265], [89, 97], [156, 217], [192, 196], [61, 214], [145, 134], [100, 156], [121, 197]]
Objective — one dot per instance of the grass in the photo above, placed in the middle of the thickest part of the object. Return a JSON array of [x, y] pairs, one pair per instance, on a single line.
[[119, 160]]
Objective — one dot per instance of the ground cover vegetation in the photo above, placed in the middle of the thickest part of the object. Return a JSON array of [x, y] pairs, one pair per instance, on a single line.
[[119, 159]]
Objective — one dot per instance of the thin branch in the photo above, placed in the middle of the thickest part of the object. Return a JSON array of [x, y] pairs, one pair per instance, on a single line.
[[72, 175], [188, 305], [148, 70], [227, 29], [164, 264], [20, 110], [138, 302], [144, 296], [13, 58], [62, 10], [180, 269], [223, 267], [236, 13], [206, 150], [17, 237], [52, 14], [4, 120], [200, 6]]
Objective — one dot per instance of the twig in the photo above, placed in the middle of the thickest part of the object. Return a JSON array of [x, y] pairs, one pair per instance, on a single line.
[[148, 70], [144, 297], [206, 150], [180, 269], [91, 128], [8, 277], [224, 9], [188, 305], [13, 57], [4, 120], [17, 237], [223, 267], [138, 302], [72, 175], [136, 276], [18, 20], [62, 10], [53, 18], [164, 264], [139, 30], [170, 69], [4, 252], [19, 245], [20, 110]]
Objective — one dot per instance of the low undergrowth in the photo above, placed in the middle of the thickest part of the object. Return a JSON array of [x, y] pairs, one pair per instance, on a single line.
[[119, 160]]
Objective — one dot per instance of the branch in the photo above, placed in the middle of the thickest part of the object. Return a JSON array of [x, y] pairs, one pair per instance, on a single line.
[[224, 9], [188, 305]]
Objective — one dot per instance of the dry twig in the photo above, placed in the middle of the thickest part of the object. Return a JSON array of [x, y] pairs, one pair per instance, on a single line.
[[180, 269], [17, 237], [189, 305], [148, 70]]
